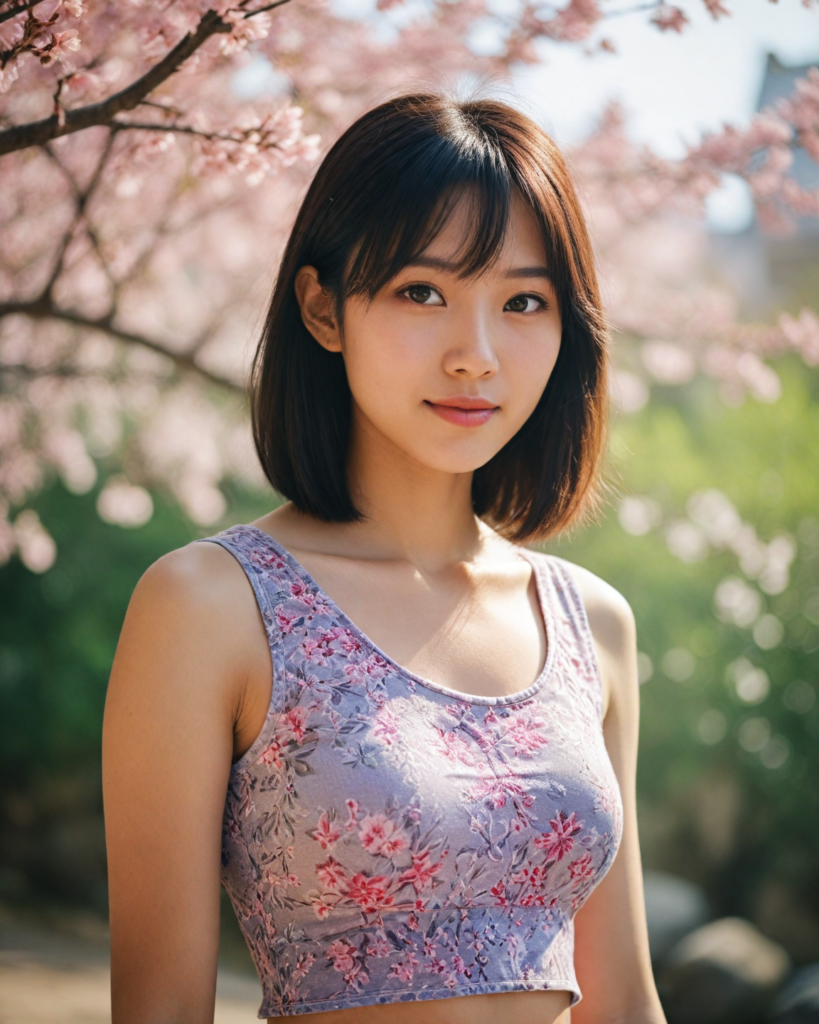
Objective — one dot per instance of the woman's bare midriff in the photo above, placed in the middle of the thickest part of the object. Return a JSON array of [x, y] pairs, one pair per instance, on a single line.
[[502, 1008]]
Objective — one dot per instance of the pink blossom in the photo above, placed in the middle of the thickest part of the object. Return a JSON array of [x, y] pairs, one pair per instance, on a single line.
[[526, 731], [380, 835], [378, 947], [342, 954], [326, 833], [454, 747], [716, 8], [370, 893], [385, 727], [582, 868], [560, 840], [332, 875], [272, 754], [303, 965], [405, 968], [669, 18], [291, 725], [422, 872]]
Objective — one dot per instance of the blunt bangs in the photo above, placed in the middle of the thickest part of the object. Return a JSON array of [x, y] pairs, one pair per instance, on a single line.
[[401, 225], [380, 197]]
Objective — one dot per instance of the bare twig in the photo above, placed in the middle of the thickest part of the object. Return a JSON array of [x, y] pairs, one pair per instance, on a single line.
[[81, 199]]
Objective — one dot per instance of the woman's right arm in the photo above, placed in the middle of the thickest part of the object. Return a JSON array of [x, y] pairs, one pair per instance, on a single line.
[[175, 691]]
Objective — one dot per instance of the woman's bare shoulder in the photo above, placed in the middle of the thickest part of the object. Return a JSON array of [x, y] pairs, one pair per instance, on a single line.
[[197, 597]]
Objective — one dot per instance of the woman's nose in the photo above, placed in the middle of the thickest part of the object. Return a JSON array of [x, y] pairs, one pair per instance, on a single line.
[[470, 353]]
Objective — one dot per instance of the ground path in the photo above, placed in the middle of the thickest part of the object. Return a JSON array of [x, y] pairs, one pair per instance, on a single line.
[[60, 972]]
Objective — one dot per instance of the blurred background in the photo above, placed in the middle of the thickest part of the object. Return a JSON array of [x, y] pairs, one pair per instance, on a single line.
[[136, 255]]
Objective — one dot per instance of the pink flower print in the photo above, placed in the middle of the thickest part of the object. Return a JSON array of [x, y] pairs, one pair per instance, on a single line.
[[356, 977], [322, 907], [352, 807], [371, 670], [301, 592], [436, 966], [405, 968], [422, 873], [385, 727], [498, 891], [525, 731], [582, 868], [303, 965], [451, 981], [348, 641], [332, 875], [496, 789], [272, 755], [285, 622], [319, 649], [412, 922], [369, 893], [460, 966], [326, 833], [378, 947], [454, 747], [559, 841], [380, 835], [342, 955], [270, 561], [291, 725]]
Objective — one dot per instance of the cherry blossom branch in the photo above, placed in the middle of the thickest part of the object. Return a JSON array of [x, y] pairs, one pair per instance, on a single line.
[[43, 308], [14, 12], [37, 133]]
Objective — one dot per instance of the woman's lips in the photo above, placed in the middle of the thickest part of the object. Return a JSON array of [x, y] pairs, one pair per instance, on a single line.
[[466, 412]]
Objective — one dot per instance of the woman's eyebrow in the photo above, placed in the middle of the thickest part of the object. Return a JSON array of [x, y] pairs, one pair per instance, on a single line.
[[440, 264], [530, 272]]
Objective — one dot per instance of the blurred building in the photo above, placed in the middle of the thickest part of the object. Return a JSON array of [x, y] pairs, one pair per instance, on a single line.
[[764, 269]]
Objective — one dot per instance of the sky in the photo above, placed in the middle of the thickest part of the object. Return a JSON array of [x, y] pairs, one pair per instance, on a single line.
[[674, 87]]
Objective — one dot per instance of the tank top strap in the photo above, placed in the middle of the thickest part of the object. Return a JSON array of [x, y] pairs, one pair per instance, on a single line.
[[274, 581], [569, 614]]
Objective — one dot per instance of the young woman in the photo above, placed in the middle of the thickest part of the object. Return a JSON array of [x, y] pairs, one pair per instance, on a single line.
[[404, 742]]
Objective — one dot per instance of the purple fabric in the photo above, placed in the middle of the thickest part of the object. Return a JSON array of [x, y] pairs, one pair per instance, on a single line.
[[388, 839]]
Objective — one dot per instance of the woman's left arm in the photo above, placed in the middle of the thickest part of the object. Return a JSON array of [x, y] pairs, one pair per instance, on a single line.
[[612, 957]]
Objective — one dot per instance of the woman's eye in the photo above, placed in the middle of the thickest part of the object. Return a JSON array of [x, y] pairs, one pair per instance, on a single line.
[[525, 304], [421, 294]]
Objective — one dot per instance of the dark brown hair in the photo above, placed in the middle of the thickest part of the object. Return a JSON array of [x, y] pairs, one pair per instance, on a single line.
[[378, 199]]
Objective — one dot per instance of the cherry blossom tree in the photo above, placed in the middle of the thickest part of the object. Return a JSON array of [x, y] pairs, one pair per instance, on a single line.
[[151, 159]]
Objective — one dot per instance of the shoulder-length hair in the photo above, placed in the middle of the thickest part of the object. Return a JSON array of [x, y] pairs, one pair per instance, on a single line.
[[379, 197]]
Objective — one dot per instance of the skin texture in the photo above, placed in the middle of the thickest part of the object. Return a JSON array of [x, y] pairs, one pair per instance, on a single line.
[[435, 588]]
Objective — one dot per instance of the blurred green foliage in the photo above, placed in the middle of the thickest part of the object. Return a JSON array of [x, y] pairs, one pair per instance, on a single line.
[[714, 806], [727, 787]]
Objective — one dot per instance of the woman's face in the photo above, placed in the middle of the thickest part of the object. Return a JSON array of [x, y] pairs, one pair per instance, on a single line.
[[446, 370]]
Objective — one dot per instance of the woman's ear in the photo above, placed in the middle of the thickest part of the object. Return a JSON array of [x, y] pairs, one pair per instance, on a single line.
[[317, 312]]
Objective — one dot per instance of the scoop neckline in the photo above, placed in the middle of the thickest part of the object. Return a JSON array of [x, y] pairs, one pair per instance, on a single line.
[[469, 698]]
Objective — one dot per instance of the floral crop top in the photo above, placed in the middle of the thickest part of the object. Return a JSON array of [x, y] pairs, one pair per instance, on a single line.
[[389, 839]]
